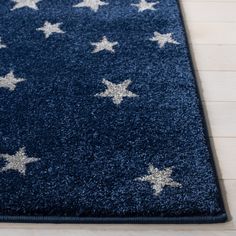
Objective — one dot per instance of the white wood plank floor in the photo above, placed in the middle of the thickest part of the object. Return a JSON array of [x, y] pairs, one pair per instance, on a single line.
[[212, 32]]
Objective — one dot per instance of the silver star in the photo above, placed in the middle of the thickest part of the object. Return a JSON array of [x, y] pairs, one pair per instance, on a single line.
[[116, 91], [162, 39], [144, 5], [159, 179], [9, 81], [2, 45], [93, 4], [104, 44], [49, 29], [25, 3], [18, 161]]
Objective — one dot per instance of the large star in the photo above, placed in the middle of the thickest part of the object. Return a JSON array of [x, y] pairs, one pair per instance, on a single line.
[[26, 3], [116, 91], [2, 45], [49, 29], [162, 39], [159, 179], [17, 161], [92, 4], [104, 44], [144, 5], [9, 81]]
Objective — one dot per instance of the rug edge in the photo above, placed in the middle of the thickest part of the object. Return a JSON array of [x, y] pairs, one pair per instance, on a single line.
[[221, 218], [203, 114]]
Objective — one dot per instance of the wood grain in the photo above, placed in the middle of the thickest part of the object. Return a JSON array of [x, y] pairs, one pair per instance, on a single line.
[[213, 33], [221, 118], [214, 57], [217, 86], [225, 153], [209, 11]]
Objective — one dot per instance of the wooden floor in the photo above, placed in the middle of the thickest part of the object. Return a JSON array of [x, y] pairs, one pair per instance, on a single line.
[[212, 32]]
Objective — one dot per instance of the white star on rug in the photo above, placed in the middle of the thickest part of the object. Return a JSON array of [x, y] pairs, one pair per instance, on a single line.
[[26, 3], [159, 179], [104, 44], [144, 5], [49, 29], [92, 4], [2, 45], [162, 39], [18, 161], [9, 81], [116, 91]]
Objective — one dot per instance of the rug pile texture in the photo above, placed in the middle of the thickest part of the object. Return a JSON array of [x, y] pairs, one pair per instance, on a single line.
[[100, 115]]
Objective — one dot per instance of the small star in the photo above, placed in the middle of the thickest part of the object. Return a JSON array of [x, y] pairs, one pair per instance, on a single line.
[[25, 3], [18, 161], [144, 5], [162, 39], [104, 44], [159, 179], [49, 29], [2, 45], [116, 91], [93, 4], [9, 81]]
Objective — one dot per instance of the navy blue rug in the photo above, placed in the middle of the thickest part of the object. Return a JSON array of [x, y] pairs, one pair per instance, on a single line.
[[100, 116]]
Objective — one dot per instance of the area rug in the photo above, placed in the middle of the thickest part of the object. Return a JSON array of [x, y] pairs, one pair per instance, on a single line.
[[100, 116]]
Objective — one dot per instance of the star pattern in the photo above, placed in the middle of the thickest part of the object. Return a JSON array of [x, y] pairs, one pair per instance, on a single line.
[[159, 179], [9, 81], [162, 39], [104, 44], [2, 45], [144, 5], [17, 161], [117, 91], [26, 3], [92, 4], [49, 29]]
